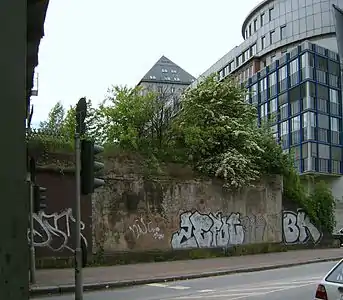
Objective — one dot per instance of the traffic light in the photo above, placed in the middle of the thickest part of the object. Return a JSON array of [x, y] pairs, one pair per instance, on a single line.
[[90, 167], [39, 199]]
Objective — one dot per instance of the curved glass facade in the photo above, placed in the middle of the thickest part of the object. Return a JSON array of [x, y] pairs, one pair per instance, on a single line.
[[301, 94]]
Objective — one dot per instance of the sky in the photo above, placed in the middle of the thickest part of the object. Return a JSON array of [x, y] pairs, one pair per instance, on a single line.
[[90, 45]]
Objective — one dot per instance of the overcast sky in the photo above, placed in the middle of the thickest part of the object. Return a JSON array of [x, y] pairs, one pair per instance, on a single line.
[[90, 45]]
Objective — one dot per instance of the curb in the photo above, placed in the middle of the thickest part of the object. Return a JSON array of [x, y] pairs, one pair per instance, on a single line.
[[65, 289]]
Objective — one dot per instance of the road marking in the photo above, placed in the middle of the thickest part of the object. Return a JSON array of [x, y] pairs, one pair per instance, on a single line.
[[162, 285], [166, 286], [227, 294], [206, 291]]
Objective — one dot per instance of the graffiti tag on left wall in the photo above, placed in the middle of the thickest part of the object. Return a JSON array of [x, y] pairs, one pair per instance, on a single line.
[[54, 230], [140, 228], [208, 230]]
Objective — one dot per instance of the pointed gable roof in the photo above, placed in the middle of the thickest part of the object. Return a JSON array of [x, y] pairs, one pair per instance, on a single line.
[[166, 71]]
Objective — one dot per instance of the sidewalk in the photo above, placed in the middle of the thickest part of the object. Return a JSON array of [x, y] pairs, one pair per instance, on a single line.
[[55, 281]]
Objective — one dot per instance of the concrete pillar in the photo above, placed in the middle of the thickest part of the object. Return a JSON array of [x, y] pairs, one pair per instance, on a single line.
[[14, 258]]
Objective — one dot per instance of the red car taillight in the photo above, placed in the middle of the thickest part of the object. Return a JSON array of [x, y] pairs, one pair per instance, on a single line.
[[321, 292]]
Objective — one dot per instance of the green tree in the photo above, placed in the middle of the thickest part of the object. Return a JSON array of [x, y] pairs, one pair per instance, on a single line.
[[125, 117], [55, 119], [69, 122], [217, 130]]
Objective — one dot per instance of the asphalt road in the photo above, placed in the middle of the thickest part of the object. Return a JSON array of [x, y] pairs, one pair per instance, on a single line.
[[288, 283]]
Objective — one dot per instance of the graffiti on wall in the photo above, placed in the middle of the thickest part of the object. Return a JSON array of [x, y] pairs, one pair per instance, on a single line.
[[208, 230], [54, 230], [140, 228], [298, 228], [215, 230]]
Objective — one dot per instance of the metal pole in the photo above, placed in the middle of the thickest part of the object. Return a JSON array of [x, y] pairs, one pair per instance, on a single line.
[[78, 253], [32, 246]]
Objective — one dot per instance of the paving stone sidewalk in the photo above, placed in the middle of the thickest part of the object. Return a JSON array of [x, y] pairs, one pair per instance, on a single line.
[[62, 280]]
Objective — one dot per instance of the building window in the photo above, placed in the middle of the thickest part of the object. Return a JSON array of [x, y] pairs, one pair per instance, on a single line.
[[272, 106], [159, 89], [283, 78], [283, 32], [284, 131], [309, 125], [334, 105], [272, 37], [334, 126], [172, 89], [263, 89], [271, 13], [263, 17], [272, 84], [263, 42], [164, 71], [255, 25], [253, 50], [250, 29], [293, 72], [322, 98], [323, 127], [254, 93], [263, 111]]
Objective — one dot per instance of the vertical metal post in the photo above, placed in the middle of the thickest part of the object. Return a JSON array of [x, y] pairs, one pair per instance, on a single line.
[[32, 246], [78, 251]]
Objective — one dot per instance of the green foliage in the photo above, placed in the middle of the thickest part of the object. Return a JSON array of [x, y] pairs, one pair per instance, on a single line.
[[55, 119], [217, 130], [319, 203]]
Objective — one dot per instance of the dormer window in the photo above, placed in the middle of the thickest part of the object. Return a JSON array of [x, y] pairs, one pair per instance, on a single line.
[[164, 71]]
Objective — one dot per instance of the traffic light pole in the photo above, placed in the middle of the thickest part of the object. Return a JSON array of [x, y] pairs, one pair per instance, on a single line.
[[78, 251], [32, 246]]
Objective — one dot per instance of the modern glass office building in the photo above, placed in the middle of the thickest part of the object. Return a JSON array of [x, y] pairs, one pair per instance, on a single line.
[[301, 94], [291, 60]]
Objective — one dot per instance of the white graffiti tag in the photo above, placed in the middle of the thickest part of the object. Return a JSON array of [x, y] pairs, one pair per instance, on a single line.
[[208, 230], [54, 230], [141, 228], [298, 229]]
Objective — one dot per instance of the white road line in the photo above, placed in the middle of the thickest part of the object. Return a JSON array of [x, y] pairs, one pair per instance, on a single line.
[[179, 287], [161, 285], [166, 286], [227, 294], [206, 291]]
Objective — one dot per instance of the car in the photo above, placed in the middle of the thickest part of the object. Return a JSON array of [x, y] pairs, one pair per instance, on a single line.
[[331, 286], [339, 236]]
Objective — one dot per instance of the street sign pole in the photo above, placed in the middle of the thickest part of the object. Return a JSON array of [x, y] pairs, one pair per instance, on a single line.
[[31, 181], [81, 110]]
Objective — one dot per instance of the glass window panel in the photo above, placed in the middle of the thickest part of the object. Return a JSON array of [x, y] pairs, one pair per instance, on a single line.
[[323, 121], [305, 150], [323, 151], [333, 67], [294, 94], [322, 63], [333, 96], [336, 153], [334, 124], [293, 66], [313, 148], [309, 119], [295, 123], [322, 92], [282, 99], [284, 129], [273, 105]]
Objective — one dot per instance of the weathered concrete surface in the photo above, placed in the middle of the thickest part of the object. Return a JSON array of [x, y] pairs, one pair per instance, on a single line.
[[137, 213]]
